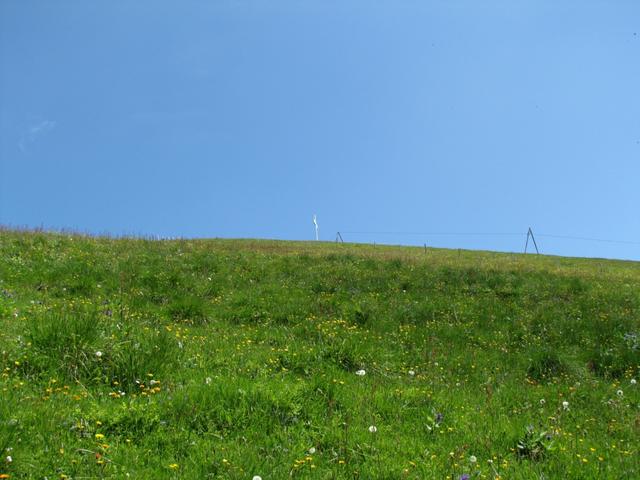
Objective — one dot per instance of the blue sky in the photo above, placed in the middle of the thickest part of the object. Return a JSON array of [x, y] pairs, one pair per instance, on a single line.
[[244, 118]]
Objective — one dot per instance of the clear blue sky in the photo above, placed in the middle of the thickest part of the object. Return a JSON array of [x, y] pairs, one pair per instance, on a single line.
[[244, 118]]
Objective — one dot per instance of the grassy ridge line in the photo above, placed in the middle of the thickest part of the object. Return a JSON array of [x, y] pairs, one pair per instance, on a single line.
[[229, 358], [437, 256]]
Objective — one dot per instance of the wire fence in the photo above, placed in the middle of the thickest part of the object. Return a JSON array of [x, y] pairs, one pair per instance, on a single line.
[[345, 234], [491, 234]]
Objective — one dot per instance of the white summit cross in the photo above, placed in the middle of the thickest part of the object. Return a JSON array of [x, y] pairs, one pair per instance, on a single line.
[[315, 222]]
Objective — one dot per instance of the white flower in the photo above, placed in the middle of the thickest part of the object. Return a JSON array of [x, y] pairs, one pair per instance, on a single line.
[[207, 380], [473, 459], [620, 393], [542, 401], [633, 381], [373, 429], [361, 373], [9, 459], [565, 405], [312, 450], [256, 477], [411, 373], [98, 354]]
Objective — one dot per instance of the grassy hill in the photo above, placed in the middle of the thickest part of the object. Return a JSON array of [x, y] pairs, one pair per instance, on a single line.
[[230, 359]]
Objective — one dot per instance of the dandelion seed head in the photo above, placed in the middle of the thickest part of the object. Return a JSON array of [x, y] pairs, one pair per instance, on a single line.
[[373, 429], [256, 477], [98, 354], [312, 450], [9, 459], [412, 373], [633, 381], [542, 401], [473, 459], [620, 393], [565, 405], [361, 373]]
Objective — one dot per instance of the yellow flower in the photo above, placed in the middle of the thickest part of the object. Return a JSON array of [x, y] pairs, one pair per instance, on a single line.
[[99, 436], [173, 466]]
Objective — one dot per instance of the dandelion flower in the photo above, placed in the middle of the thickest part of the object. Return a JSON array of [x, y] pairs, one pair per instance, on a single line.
[[473, 459], [173, 466], [565, 405], [99, 436], [361, 373], [620, 393], [373, 429], [98, 354]]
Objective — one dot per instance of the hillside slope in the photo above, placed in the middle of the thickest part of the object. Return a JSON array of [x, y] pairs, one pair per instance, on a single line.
[[235, 358]]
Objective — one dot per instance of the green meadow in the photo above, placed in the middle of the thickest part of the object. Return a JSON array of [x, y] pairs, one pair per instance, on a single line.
[[231, 359]]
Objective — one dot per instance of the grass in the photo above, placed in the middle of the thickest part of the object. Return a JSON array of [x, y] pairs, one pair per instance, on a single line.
[[127, 358]]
